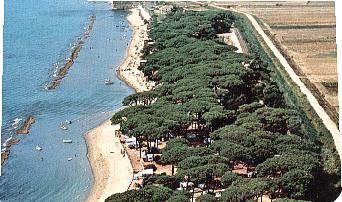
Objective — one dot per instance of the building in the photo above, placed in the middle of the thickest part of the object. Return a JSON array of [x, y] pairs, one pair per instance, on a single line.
[[165, 9]]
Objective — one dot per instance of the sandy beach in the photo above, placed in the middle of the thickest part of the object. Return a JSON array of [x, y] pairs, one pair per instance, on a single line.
[[128, 70], [112, 172]]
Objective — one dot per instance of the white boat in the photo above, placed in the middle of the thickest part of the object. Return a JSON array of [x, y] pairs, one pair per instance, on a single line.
[[63, 127], [38, 148], [67, 141], [68, 121], [69, 159], [108, 82]]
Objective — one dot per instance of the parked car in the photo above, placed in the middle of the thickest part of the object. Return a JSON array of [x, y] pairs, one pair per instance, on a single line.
[[147, 157]]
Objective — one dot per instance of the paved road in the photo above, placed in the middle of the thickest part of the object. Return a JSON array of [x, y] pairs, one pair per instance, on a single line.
[[329, 124]]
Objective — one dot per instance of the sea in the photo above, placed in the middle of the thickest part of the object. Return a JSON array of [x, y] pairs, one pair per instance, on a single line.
[[38, 39]]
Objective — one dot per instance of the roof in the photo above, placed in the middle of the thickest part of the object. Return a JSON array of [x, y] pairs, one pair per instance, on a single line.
[[147, 172], [166, 6], [132, 139]]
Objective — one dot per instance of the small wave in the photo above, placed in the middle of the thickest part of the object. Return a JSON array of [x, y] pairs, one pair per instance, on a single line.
[[5, 144], [16, 121], [46, 87], [55, 73]]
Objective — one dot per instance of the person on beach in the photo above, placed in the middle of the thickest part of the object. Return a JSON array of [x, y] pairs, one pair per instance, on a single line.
[[123, 152]]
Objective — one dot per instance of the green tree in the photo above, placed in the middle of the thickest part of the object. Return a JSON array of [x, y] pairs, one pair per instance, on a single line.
[[228, 178], [174, 155], [296, 182], [206, 198], [180, 196]]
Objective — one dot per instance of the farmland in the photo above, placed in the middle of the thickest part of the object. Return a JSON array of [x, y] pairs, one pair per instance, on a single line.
[[305, 32]]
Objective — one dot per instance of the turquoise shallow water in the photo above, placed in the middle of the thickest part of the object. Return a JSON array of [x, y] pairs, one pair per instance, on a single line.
[[36, 36]]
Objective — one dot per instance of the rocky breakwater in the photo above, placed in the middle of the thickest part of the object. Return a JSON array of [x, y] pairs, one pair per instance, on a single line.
[[62, 72]]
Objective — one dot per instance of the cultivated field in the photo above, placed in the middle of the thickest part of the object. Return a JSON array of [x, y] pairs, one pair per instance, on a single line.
[[306, 33]]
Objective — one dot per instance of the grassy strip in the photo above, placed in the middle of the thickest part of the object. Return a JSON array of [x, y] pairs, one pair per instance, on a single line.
[[279, 26]]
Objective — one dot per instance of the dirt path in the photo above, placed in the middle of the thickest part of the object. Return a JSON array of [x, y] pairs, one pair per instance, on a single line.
[[329, 124]]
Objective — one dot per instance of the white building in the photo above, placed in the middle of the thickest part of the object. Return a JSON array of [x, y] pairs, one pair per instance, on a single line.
[[165, 9]]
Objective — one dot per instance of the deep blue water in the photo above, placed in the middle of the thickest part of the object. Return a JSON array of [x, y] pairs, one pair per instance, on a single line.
[[37, 34]]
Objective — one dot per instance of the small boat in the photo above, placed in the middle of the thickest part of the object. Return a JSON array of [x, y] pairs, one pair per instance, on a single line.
[[63, 127], [68, 121], [69, 159], [38, 148], [67, 141], [108, 82]]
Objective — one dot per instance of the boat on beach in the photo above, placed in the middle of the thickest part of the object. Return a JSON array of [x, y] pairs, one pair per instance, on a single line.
[[67, 141], [108, 82]]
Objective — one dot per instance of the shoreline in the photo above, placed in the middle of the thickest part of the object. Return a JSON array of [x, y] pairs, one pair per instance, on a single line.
[[104, 154], [128, 70], [113, 173]]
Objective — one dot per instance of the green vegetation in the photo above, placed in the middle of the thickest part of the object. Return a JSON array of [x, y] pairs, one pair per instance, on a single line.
[[218, 109], [316, 130], [148, 193]]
